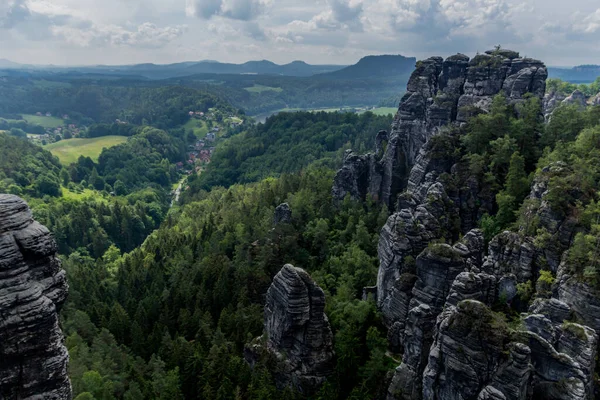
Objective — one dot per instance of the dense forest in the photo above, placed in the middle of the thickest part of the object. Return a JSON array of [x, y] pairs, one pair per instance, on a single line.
[[289, 142], [91, 102], [103, 98]]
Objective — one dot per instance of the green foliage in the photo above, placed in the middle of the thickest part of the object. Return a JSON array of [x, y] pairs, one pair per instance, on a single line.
[[163, 107], [544, 283], [525, 291], [287, 143], [554, 85], [187, 301], [35, 171]]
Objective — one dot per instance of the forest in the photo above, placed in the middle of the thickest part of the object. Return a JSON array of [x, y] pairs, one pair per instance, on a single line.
[[162, 301], [286, 143]]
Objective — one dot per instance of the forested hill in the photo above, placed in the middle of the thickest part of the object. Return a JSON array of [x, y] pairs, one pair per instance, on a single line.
[[375, 67], [93, 101], [288, 143]]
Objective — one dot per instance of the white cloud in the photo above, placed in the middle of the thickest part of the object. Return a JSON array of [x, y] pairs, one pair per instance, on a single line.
[[243, 10], [325, 31], [146, 35]]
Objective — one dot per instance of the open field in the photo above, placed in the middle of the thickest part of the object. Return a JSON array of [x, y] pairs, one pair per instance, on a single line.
[[46, 122], [384, 110], [198, 126], [69, 150], [86, 193], [262, 88]]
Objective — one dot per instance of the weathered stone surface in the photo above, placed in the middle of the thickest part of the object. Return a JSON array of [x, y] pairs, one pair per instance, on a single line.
[[33, 358], [551, 102], [509, 253], [472, 286], [583, 300], [283, 214], [297, 331], [553, 309], [557, 375], [576, 98], [359, 176], [467, 353]]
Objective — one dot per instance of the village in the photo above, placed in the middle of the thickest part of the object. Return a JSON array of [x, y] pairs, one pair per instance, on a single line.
[[199, 153]]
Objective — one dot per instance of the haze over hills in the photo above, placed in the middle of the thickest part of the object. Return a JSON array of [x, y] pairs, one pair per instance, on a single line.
[[164, 71], [376, 66], [578, 74]]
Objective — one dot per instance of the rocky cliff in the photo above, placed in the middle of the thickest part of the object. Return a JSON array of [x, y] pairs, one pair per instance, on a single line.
[[439, 92], [33, 358], [297, 338], [439, 285]]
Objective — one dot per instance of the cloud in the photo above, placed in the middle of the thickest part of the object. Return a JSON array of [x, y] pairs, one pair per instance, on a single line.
[[147, 35], [589, 25], [343, 11], [243, 10], [12, 13], [203, 8]]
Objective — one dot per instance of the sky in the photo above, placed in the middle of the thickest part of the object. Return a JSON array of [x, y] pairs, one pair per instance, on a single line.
[[87, 32]]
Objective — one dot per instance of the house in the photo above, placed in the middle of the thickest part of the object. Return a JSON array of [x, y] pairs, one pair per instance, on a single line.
[[210, 136], [39, 114], [66, 116], [191, 113], [179, 165], [48, 114]]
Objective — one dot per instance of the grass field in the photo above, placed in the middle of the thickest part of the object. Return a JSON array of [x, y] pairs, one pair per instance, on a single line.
[[69, 150], [384, 110], [67, 194], [46, 122], [198, 126], [262, 88]]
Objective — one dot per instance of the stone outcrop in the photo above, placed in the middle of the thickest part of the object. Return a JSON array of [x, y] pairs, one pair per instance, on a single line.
[[468, 358], [551, 102], [33, 358], [437, 284], [297, 336], [576, 98], [439, 92], [283, 214]]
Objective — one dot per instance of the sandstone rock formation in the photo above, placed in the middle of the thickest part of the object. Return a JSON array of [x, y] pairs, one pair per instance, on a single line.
[[297, 332], [33, 358], [283, 214], [439, 92], [438, 283], [576, 98]]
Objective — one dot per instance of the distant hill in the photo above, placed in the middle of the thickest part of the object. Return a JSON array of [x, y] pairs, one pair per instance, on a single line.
[[165, 71], [579, 74], [4, 63], [264, 67], [376, 67]]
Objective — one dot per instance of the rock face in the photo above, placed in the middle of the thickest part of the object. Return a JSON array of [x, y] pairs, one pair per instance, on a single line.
[[283, 214], [438, 283], [439, 92], [297, 332], [576, 98], [33, 358]]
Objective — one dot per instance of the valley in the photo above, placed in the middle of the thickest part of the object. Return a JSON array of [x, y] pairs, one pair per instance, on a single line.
[[394, 229]]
